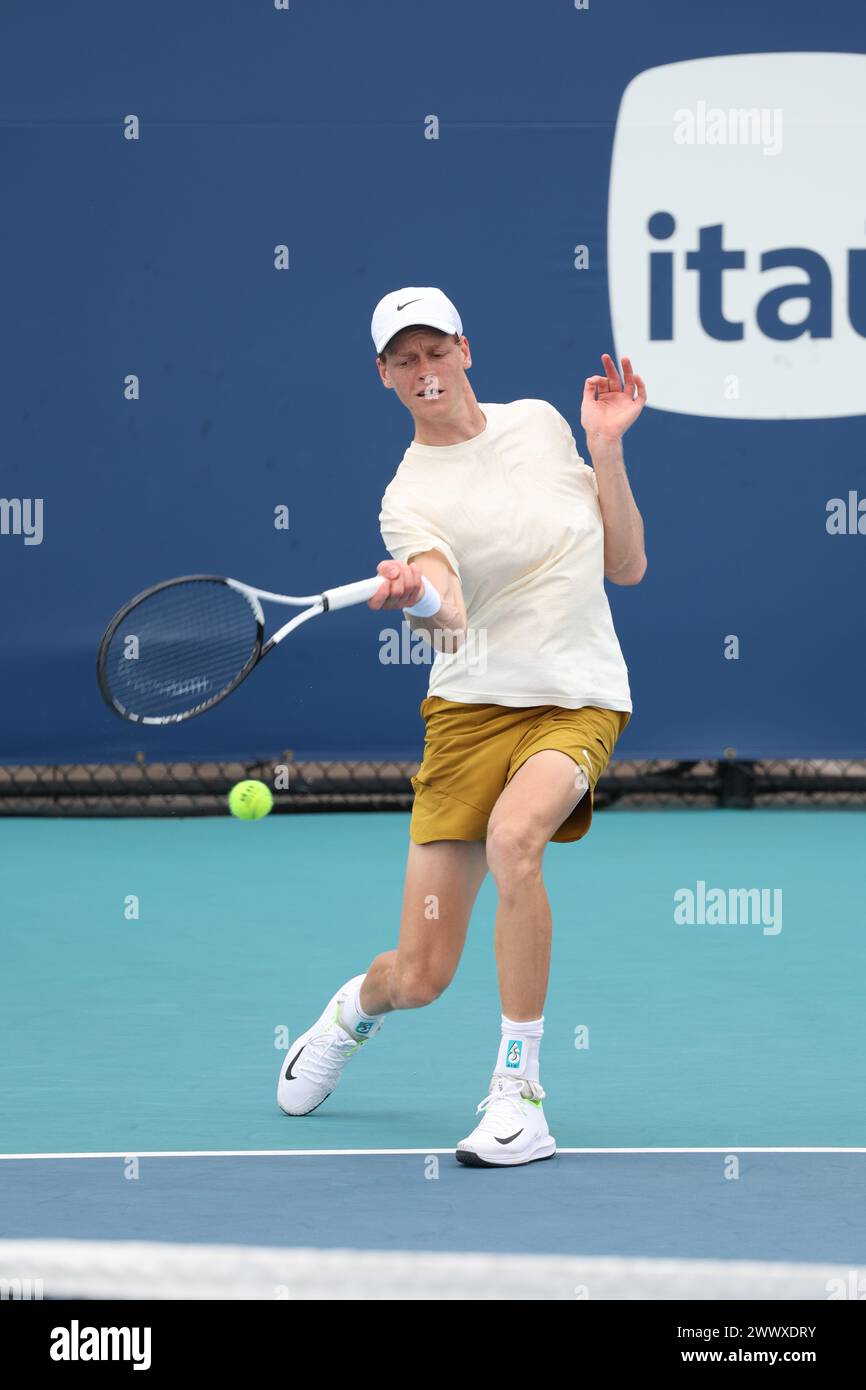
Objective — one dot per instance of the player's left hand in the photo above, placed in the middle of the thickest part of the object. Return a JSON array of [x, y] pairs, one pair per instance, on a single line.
[[616, 407]]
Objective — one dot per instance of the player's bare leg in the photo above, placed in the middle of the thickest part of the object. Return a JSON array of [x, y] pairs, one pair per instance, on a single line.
[[442, 883]]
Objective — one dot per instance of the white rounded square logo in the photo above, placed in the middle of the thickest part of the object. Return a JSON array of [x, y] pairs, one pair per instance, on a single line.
[[737, 235]]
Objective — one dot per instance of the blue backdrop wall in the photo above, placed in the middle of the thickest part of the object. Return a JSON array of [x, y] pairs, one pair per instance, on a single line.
[[310, 126]]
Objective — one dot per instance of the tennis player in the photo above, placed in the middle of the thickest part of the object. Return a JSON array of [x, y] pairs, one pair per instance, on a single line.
[[528, 691]]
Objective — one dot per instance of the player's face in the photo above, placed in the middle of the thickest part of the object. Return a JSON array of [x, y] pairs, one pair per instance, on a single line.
[[428, 372]]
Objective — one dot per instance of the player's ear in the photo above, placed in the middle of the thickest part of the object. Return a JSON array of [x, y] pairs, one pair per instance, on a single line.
[[383, 373]]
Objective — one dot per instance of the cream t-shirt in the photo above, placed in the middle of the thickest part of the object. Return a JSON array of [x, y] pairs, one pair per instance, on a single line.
[[515, 512]]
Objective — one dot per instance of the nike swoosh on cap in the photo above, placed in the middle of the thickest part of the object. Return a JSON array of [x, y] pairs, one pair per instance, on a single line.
[[408, 302]]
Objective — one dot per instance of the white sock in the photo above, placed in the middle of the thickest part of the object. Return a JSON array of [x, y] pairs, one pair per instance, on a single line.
[[352, 1016], [519, 1049]]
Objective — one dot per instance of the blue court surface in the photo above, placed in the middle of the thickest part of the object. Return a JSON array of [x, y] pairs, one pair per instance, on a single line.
[[710, 1122]]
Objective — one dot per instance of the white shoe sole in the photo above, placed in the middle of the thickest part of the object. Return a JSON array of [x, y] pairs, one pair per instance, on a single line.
[[545, 1148]]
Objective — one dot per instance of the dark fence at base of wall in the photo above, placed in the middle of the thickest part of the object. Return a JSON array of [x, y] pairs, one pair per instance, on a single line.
[[145, 788]]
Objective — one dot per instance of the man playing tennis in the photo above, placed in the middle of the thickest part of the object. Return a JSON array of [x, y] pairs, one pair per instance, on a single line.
[[493, 504]]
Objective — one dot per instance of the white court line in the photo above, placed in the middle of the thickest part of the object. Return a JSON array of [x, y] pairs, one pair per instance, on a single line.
[[352, 1153]]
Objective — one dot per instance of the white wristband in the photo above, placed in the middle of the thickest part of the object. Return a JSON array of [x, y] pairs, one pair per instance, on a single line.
[[429, 603]]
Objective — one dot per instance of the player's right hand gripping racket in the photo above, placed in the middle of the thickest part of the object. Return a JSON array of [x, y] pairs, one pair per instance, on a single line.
[[180, 647]]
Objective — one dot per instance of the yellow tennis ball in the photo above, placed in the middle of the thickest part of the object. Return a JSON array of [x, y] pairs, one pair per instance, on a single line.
[[250, 800]]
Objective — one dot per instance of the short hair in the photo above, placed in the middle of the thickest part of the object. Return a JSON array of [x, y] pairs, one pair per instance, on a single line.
[[389, 346]]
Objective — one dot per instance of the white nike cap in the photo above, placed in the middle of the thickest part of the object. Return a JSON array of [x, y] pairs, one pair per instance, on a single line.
[[415, 304]]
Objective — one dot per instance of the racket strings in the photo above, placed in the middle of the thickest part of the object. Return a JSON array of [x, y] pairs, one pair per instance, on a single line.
[[180, 648]]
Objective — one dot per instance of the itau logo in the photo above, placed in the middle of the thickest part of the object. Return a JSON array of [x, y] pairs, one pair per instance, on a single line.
[[737, 235]]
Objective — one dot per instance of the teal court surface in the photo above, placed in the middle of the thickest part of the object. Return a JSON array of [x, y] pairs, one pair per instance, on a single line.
[[704, 1079]]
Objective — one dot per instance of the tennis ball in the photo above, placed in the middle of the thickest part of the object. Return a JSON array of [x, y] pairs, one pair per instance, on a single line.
[[250, 800]]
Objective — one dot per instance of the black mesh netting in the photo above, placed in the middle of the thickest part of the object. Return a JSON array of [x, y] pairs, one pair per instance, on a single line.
[[146, 788]]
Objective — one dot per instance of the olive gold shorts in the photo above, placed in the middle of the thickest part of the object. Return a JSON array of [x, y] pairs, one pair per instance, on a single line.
[[471, 752]]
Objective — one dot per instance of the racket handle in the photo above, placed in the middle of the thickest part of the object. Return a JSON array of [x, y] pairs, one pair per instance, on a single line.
[[347, 594]]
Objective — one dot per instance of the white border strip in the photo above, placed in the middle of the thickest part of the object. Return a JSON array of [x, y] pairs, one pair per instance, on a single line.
[[151, 1270]]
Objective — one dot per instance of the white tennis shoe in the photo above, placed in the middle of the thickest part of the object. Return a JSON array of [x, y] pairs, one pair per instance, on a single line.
[[513, 1129], [314, 1063]]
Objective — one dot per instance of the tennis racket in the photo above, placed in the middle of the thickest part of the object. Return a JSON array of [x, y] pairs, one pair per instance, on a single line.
[[180, 647]]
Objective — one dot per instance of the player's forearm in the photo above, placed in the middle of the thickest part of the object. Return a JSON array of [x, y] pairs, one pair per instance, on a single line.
[[449, 620], [624, 554], [448, 624]]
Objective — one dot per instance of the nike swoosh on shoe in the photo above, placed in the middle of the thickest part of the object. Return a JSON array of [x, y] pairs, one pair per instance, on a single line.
[[509, 1139], [288, 1073]]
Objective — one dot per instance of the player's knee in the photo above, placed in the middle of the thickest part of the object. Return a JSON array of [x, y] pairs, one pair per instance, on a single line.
[[414, 989], [513, 851]]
